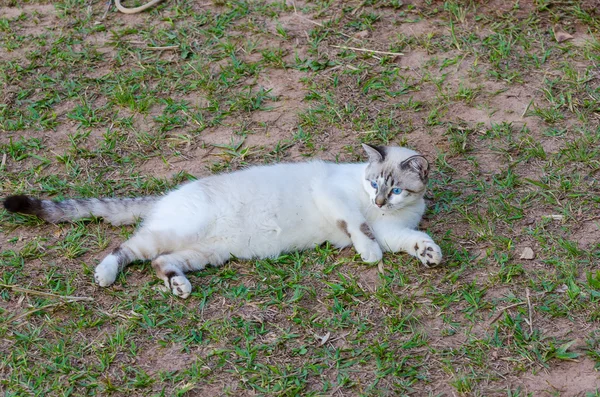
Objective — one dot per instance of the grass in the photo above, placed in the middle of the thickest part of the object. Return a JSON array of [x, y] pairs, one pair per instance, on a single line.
[[506, 114]]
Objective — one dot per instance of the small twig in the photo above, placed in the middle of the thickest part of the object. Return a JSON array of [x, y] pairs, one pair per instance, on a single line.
[[503, 310], [169, 47], [3, 161], [108, 4], [323, 26], [339, 337], [529, 307], [123, 316], [48, 294], [335, 390], [380, 268], [593, 218], [367, 50], [361, 5], [310, 20], [333, 68], [37, 309]]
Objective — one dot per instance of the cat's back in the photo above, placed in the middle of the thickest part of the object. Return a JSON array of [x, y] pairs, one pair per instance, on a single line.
[[261, 186], [284, 173], [273, 179]]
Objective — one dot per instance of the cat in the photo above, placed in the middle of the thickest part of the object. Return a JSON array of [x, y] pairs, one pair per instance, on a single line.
[[261, 212]]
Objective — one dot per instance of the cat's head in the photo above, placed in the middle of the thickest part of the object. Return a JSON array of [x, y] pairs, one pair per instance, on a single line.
[[395, 177]]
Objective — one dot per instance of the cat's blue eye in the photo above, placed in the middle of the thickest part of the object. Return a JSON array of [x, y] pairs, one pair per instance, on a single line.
[[396, 190], [374, 184]]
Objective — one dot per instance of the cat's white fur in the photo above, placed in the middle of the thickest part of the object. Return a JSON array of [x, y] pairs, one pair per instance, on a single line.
[[264, 211]]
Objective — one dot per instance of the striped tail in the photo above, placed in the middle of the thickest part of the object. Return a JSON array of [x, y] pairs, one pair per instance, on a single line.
[[116, 211]]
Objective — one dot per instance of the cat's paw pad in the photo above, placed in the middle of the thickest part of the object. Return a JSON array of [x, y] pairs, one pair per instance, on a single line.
[[371, 253], [106, 272], [428, 252], [181, 286]]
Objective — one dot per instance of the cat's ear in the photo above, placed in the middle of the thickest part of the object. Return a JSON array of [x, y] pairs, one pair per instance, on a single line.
[[376, 153], [417, 164]]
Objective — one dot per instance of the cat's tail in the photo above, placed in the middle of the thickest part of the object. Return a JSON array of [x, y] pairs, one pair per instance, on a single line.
[[116, 211]]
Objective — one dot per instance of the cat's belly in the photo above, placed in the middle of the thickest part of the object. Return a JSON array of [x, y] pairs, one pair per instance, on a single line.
[[270, 237]]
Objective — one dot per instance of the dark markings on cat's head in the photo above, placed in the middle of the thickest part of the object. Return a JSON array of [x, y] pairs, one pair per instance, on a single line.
[[393, 167], [24, 205], [376, 153], [417, 164]]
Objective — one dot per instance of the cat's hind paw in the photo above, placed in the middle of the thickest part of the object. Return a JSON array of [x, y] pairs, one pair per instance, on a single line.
[[428, 252], [181, 286], [106, 272]]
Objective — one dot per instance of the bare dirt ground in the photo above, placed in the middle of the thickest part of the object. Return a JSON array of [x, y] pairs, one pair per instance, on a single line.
[[503, 98]]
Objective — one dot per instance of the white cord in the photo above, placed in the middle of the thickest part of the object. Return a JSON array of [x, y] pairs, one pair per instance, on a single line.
[[135, 10]]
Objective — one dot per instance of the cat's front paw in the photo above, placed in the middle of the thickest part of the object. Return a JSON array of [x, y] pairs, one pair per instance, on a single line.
[[181, 286], [428, 252], [371, 252]]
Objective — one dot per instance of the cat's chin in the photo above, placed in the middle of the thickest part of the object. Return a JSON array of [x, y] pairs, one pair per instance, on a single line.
[[392, 208], [389, 208]]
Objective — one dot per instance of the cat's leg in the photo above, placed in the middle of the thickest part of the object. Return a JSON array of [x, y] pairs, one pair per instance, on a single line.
[[144, 245], [350, 221], [414, 242], [362, 237], [170, 267]]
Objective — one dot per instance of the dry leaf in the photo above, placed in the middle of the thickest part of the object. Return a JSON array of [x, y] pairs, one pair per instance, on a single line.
[[561, 36], [323, 339], [555, 217], [363, 34], [527, 253]]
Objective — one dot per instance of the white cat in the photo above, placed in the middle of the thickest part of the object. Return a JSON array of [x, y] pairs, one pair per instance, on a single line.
[[262, 212]]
